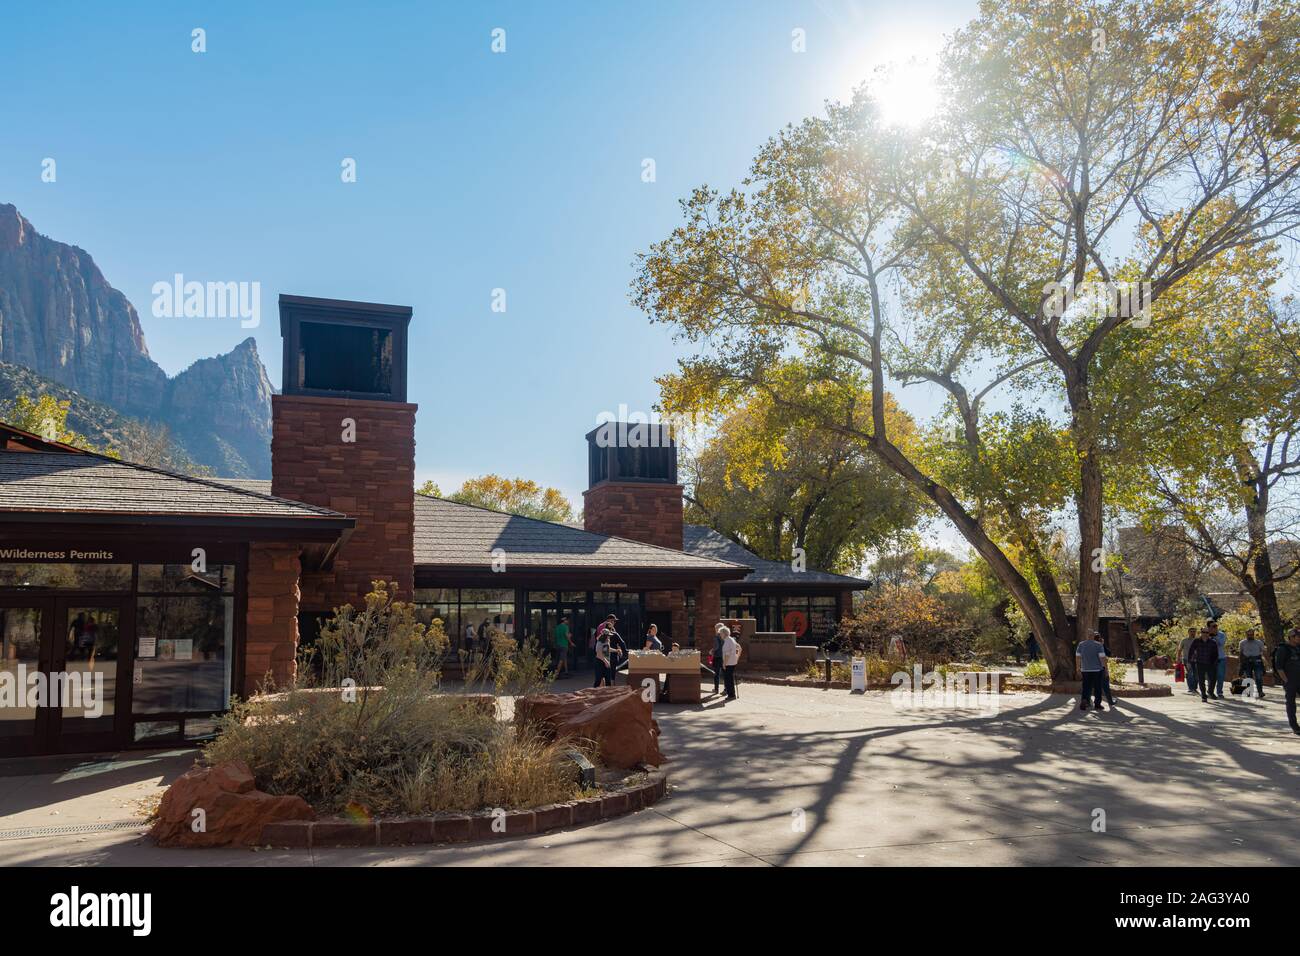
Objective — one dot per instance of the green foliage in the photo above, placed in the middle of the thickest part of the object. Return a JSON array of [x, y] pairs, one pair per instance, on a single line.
[[778, 482], [880, 669], [1037, 669], [518, 496], [1056, 159], [928, 627], [47, 417]]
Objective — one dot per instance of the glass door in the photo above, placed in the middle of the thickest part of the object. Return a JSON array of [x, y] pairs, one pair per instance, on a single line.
[[25, 629], [89, 662]]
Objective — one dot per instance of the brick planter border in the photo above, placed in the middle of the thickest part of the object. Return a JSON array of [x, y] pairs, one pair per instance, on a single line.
[[464, 827]]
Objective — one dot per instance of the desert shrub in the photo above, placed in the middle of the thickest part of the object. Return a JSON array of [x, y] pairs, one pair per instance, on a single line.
[[1036, 669], [374, 732], [1116, 670], [511, 667]]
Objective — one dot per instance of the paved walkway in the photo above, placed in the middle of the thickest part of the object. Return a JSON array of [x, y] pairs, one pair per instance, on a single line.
[[793, 776]]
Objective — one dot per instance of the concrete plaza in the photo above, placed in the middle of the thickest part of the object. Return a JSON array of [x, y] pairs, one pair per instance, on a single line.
[[802, 776]]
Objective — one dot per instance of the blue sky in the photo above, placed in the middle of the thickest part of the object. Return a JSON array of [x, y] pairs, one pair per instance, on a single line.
[[475, 171]]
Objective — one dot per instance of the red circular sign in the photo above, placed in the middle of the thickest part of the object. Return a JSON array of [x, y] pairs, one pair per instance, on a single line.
[[796, 621]]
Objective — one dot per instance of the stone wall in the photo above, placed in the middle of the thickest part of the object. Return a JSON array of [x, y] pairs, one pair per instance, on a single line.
[[642, 511], [371, 479], [271, 635]]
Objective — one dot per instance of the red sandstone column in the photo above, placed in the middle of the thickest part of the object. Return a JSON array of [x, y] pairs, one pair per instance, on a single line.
[[271, 632], [370, 477], [708, 612]]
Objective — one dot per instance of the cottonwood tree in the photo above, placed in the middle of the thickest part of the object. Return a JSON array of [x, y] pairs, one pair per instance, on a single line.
[[781, 488], [1101, 142], [1221, 473], [520, 496]]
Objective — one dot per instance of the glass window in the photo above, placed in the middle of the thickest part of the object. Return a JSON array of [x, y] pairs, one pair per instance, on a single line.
[[183, 654], [20, 647], [345, 358], [79, 577], [183, 579], [197, 728], [823, 618], [541, 597], [438, 604], [481, 611], [157, 729]]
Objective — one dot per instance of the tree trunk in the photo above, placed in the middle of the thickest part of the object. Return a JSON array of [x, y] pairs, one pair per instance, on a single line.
[[1089, 503], [1057, 649], [1264, 592]]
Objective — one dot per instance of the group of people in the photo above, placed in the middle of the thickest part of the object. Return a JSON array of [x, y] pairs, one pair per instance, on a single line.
[[480, 639], [1203, 656], [610, 651]]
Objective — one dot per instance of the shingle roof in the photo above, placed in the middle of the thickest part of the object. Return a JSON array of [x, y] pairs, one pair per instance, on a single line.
[[453, 534], [705, 542], [76, 483]]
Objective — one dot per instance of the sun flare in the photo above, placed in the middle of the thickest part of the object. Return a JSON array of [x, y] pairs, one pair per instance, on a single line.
[[907, 93]]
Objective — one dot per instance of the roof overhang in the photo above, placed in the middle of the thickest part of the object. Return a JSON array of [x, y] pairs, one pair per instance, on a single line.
[[593, 579]]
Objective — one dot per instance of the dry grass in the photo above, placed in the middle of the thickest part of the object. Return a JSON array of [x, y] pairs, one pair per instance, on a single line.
[[375, 735]]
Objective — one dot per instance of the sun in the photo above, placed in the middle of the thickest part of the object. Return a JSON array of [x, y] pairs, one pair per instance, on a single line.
[[907, 92]]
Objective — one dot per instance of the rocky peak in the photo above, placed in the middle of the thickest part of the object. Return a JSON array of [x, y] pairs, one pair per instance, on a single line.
[[60, 318]]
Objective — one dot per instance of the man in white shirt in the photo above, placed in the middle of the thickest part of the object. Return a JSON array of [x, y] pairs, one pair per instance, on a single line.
[[1091, 658], [730, 658], [1252, 661]]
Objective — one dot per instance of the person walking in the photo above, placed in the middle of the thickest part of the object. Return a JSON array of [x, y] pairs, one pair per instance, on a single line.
[[716, 659], [1221, 665], [1286, 668], [617, 653], [1252, 661], [1205, 653], [602, 659], [1105, 682], [1185, 658], [730, 658], [1091, 657], [562, 647]]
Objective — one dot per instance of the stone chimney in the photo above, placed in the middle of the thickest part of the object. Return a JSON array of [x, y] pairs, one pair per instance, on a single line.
[[632, 492], [632, 488], [343, 437]]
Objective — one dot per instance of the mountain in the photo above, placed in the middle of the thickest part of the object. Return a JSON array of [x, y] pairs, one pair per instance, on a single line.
[[104, 427], [61, 319]]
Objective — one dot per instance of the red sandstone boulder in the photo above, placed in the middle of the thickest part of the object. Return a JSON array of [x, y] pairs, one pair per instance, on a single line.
[[234, 810], [1159, 662], [616, 718]]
